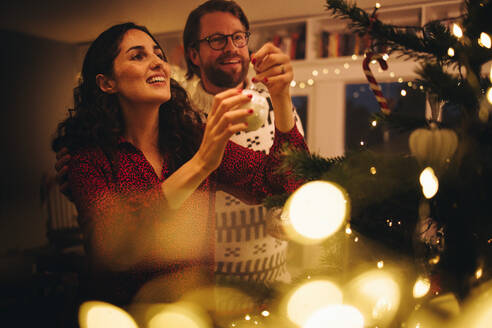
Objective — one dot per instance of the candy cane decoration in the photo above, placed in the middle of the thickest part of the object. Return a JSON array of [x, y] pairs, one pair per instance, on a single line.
[[376, 89]]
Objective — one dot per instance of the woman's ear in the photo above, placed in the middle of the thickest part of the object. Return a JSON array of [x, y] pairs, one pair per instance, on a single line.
[[106, 84]]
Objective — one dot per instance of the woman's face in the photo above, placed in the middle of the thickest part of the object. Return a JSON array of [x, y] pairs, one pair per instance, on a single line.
[[141, 73]]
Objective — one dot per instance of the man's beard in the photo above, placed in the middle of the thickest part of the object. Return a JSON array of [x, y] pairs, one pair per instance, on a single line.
[[224, 79]]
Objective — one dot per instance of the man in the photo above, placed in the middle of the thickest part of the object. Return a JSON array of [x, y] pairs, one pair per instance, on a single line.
[[215, 41]]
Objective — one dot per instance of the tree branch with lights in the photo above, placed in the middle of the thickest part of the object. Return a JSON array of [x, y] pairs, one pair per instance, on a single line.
[[439, 191]]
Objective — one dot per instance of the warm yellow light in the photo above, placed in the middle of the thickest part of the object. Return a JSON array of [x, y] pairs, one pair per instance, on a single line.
[[457, 31], [337, 71], [293, 83], [479, 273], [346, 65], [386, 56], [325, 70], [362, 143], [374, 123], [348, 230], [310, 297], [380, 264], [429, 182], [316, 210], [354, 57], [247, 317], [179, 315], [302, 85], [435, 260], [310, 82], [403, 92], [378, 5], [376, 295], [490, 75], [315, 73], [373, 170], [265, 313], [392, 74], [400, 80], [489, 95], [95, 314], [451, 52], [336, 316], [421, 287], [484, 40], [410, 83]]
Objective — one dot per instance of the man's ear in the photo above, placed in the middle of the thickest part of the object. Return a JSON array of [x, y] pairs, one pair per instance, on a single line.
[[106, 84], [194, 56]]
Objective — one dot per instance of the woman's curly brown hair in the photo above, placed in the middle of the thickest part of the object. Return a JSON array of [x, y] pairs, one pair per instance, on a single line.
[[96, 119]]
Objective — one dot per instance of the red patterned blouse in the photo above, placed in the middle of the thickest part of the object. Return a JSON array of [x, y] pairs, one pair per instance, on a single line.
[[126, 225]]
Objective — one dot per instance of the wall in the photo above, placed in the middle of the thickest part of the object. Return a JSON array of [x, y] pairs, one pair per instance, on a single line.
[[37, 78]]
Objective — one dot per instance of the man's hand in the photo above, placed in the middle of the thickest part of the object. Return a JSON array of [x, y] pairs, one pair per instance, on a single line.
[[274, 69], [61, 167]]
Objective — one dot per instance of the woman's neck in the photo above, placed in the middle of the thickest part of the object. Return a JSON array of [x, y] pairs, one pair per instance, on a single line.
[[142, 126]]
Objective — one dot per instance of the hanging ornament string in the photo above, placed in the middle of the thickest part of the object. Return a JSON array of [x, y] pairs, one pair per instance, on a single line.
[[376, 89]]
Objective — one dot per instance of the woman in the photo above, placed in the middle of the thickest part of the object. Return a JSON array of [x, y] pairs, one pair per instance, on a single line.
[[144, 168]]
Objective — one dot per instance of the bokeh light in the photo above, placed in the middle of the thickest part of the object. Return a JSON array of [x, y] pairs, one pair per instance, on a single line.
[[429, 182], [310, 297], [377, 296], [96, 314], [421, 287], [179, 315], [316, 210], [336, 316]]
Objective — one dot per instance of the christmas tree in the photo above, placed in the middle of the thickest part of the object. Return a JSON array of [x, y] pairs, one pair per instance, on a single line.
[[429, 206]]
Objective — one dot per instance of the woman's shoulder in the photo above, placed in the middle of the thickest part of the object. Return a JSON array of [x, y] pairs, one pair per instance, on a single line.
[[92, 154]]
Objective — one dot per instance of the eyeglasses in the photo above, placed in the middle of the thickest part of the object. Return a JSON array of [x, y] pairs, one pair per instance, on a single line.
[[219, 41]]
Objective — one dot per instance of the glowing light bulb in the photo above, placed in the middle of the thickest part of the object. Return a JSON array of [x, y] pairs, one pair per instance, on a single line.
[[429, 182], [315, 73], [316, 210], [403, 92], [451, 52], [95, 314], [374, 123], [376, 295], [337, 71], [479, 273], [421, 287], [392, 74], [489, 95], [336, 316], [373, 170], [362, 143], [302, 85], [400, 80], [380, 264], [354, 57], [348, 230], [484, 40], [386, 56], [378, 5], [310, 297], [410, 83], [180, 314], [325, 70], [457, 31], [346, 65], [310, 82], [490, 76], [247, 317], [265, 313], [293, 83]]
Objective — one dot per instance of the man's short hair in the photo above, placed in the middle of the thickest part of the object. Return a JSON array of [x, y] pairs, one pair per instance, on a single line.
[[192, 28]]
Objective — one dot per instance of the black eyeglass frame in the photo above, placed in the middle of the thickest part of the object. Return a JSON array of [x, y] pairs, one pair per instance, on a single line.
[[226, 37]]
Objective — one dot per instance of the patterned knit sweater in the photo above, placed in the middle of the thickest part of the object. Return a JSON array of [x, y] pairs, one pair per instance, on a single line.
[[243, 250]]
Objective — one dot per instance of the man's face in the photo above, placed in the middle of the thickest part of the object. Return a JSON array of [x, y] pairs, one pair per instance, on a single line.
[[226, 68]]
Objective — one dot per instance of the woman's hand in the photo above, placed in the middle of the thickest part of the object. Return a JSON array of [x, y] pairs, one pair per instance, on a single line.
[[224, 120], [274, 69]]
